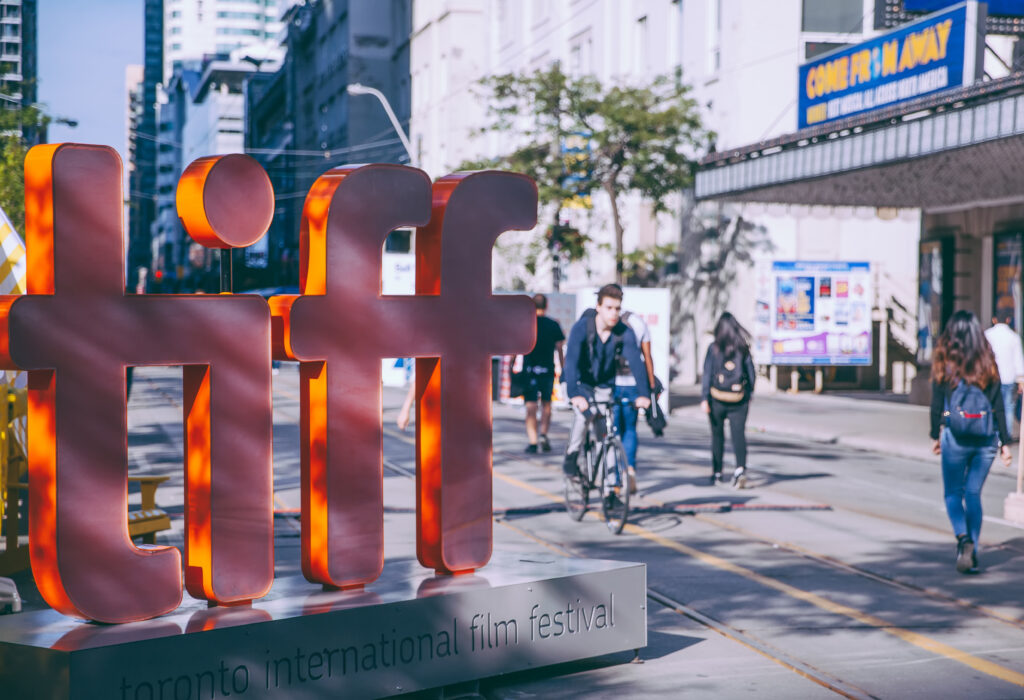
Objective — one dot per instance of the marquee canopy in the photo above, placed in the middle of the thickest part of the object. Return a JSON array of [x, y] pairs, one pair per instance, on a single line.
[[952, 150]]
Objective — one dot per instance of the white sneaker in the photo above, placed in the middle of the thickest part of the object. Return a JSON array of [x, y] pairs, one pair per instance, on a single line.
[[739, 478]]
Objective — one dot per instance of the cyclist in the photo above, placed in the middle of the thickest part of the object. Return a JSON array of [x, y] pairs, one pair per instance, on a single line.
[[596, 342]]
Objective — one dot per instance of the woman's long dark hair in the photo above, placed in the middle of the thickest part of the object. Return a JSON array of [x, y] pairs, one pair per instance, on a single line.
[[963, 352], [730, 337]]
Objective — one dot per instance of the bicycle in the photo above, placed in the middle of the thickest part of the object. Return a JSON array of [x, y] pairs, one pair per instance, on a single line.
[[603, 466]]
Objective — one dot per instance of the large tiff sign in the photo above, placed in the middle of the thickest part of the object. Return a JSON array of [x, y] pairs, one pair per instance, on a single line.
[[76, 331]]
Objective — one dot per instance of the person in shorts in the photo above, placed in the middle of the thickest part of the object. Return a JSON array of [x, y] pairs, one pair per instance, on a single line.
[[539, 374]]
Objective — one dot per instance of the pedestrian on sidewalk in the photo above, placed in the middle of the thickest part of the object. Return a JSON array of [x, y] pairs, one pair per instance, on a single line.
[[1009, 353], [727, 387], [968, 427], [539, 372]]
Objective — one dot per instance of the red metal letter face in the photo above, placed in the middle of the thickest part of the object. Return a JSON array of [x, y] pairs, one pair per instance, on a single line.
[[341, 327], [75, 332], [453, 424]]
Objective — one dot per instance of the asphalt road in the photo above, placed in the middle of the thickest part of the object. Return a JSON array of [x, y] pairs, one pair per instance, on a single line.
[[831, 574]]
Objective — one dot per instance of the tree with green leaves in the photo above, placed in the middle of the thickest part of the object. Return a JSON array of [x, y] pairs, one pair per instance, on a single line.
[[577, 137], [13, 148]]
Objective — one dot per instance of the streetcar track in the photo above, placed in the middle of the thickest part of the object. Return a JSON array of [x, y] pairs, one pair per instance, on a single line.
[[834, 563], [760, 646], [938, 649], [806, 553], [811, 673], [904, 634]]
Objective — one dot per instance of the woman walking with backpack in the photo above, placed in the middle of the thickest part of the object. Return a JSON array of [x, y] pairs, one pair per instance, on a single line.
[[966, 401], [728, 384]]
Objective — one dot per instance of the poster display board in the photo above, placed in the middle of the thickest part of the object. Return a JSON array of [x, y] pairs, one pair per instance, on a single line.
[[1006, 294], [816, 313], [933, 298]]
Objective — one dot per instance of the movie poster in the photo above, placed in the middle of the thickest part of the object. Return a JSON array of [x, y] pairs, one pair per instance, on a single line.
[[821, 313], [929, 300], [1006, 297]]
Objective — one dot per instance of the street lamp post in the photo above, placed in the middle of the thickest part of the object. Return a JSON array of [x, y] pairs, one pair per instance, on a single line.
[[56, 120], [360, 89]]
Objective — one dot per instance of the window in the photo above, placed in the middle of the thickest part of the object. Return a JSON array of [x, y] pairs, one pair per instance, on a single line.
[[836, 16], [813, 49], [714, 36], [238, 31], [240, 15], [175, 30], [398, 241], [640, 44], [581, 54]]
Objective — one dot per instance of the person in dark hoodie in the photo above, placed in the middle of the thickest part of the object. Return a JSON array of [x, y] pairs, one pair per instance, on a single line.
[[727, 386], [596, 342]]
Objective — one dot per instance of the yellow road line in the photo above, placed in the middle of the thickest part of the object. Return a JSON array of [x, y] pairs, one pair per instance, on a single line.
[[918, 640], [562, 551], [528, 487]]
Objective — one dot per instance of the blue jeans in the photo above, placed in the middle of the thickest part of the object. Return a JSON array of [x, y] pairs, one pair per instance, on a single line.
[[1009, 392], [626, 413], [964, 469]]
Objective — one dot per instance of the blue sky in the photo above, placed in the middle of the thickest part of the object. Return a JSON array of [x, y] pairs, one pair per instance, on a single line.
[[84, 48]]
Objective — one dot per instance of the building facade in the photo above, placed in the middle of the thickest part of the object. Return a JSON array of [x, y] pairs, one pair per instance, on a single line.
[[935, 162], [143, 148], [194, 29], [302, 121], [741, 59]]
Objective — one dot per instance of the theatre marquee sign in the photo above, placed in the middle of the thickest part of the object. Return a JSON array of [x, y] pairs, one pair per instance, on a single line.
[[938, 52]]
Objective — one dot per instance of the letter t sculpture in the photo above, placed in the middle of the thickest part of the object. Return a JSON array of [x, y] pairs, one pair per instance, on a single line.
[[75, 332]]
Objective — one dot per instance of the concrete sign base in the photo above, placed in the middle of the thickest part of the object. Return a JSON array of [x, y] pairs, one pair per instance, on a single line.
[[408, 631]]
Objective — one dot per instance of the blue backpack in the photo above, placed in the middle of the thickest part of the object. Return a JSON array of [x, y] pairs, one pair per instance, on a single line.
[[969, 413]]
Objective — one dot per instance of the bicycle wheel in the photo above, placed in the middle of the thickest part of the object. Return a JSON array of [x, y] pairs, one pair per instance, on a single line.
[[615, 489], [577, 496], [577, 488]]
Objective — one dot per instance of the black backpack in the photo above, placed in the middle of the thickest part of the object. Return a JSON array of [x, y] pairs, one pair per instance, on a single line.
[[729, 381], [969, 413]]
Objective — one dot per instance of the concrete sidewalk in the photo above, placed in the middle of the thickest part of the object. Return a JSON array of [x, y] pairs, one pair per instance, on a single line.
[[866, 422]]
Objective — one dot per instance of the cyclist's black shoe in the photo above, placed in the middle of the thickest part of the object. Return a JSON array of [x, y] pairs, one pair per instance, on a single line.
[[569, 464], [545, 446], [531, 449], [716, 478]]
